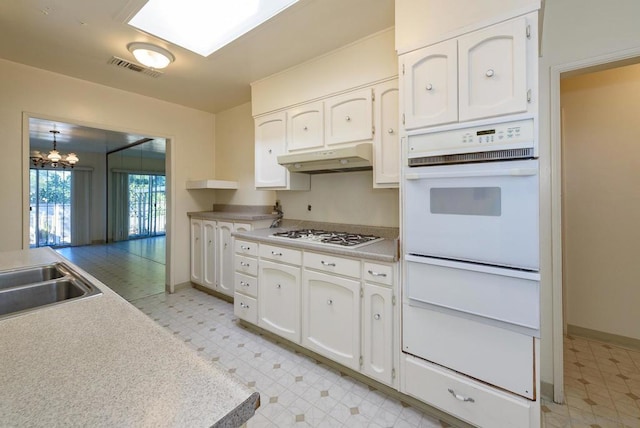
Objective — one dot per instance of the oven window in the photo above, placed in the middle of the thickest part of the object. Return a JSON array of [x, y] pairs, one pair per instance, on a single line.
[[484, 201]]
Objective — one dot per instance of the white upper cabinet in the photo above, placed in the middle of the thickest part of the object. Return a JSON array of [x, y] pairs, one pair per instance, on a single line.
[[270, 137], [386, 144], [430, 77], [486, 73], [493, 71], [271, 141], [305, 127], [348, 117]]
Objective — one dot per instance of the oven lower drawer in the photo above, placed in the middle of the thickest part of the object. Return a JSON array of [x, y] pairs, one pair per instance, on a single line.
[[491, 354], [505, 295], [447, 390]]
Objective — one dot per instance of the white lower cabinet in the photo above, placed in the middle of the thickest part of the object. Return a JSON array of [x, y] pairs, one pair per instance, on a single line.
[[245, 307], [279, 299], [225, 258], [465, 398], [377, 333], [331, 317], [196, 250], [203, 252]]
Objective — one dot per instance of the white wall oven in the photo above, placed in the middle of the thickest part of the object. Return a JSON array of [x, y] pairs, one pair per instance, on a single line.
[[471, 252]]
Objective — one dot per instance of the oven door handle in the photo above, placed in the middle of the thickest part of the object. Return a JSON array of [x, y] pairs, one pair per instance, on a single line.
[[511, 172]]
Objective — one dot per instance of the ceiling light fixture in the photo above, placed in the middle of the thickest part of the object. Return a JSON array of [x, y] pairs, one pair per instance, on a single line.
[[151, 55], [54, 158]]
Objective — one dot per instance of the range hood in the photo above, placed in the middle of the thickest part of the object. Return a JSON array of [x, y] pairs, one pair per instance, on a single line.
[[353, 158]]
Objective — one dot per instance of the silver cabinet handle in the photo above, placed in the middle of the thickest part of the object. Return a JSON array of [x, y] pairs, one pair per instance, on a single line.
[[278, 286], [244, 247], [305, 128], [225, 245], [197, 239], [429, 87], [377, 317], [276, 254], [461, 397], [380, 274], [244, 284], [270, 151], [244, 264], [348, 118], [329, 302], [490, 73], [327, 264], [390, 131], [243, 305]]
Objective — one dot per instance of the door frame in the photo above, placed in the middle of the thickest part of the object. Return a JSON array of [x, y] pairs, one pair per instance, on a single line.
[[170, 181], [586, 65]]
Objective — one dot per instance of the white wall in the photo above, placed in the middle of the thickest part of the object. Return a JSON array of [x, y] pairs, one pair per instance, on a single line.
[[344, 197], [54, 96], [573, 30], [235, 159], [367, 60], [601, 202]]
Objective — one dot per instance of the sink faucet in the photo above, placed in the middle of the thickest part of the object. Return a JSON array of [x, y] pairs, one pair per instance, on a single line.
[[277, 209]]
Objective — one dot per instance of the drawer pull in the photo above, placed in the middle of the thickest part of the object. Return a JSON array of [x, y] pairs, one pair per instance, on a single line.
[[327, 264], [244, 306], [377, 317], [380, 274], [245, 248], [461, 397], [244, 284], [348, 118], [275, 254], [278, 286], [490, 73], [244, 264], [329, 302], [429, 87]]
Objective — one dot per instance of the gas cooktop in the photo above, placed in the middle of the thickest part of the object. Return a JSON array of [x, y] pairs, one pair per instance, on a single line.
[[341, 239]]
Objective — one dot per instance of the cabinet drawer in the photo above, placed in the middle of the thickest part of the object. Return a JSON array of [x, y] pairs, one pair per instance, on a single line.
[[246, 284], [246, 265], [284, 255], [485, 352], [245, 308], [332, 264], [446, 390], [374, 272], [246, 248]]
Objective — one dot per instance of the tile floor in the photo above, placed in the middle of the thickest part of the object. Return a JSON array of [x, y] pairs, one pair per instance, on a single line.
[[602, 387], [602, 381], [133, 269]]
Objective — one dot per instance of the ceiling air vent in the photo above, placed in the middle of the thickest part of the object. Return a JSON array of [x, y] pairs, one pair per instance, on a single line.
[[119, 62]]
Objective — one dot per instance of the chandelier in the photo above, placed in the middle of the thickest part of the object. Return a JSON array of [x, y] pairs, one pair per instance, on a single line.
[[54, 158]]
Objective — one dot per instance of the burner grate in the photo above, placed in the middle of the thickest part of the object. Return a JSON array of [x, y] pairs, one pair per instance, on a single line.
[[343, 239]]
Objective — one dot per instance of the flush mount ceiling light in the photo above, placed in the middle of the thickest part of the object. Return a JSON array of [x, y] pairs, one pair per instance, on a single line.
[[204, 26], [54, 158], [151, 55]]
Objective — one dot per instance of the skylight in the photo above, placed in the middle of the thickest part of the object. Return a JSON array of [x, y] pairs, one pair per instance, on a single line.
[[204, 26]]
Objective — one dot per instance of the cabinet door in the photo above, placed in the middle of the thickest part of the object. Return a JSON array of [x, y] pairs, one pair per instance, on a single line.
[[225, 258], [270, 142], [377, 340], [279, 300], [493, 71], [305, 127], [196, 251], [209, 254], [348, 117], [430, 85], [331, 317], [386, 145]]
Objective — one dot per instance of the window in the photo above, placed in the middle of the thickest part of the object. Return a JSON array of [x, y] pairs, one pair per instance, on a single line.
[[50, 208], [147, 205]]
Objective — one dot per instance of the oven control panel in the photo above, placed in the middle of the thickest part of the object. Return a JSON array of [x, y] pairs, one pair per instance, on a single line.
[[497, 136]]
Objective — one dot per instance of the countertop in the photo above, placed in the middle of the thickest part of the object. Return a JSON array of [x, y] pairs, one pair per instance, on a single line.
[[383, 251], [101, 362], [232, 215]]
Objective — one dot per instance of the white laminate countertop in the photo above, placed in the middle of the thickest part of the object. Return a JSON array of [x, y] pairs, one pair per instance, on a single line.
[[100, 362]]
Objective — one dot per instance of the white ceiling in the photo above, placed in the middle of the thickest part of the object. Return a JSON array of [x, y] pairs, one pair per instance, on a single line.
[[78, 37]]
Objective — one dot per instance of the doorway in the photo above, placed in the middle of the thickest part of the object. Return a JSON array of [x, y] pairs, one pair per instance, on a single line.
[[71, 214]]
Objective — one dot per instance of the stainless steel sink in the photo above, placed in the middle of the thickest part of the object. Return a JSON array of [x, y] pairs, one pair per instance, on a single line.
[[14, 278], [23, 290]]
